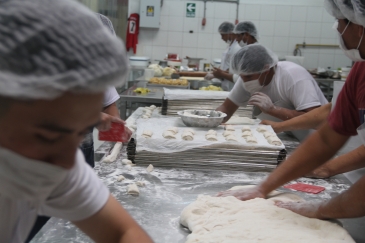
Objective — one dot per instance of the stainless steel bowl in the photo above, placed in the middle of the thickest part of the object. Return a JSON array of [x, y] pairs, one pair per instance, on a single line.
[[202, 118]]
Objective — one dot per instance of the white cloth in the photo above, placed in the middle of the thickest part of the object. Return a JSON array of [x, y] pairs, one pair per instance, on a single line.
[[226, 64], [292, 87], [29, 188], [110, 96]]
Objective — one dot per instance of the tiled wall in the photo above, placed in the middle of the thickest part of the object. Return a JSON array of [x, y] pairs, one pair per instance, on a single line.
[[281, 24]]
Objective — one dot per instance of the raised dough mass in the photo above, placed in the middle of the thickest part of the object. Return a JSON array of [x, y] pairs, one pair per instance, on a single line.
[[229, 220]]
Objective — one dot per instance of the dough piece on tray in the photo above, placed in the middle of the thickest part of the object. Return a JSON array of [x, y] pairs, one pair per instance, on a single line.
[[274, 140], [231, 138], [189, 130], [146, 116], [120, 178], [140, 183], [246, 128], [261, 129], [147, 134], [150, 168], [169, 135], [227, 133], [114, 153], [246, 133], [211, 137], [133, 189], [187, 136], [211, 132], [251, 139], [268, 134], [229, 128], [133, 127], [127, 162], [153, 107], [173, 129]]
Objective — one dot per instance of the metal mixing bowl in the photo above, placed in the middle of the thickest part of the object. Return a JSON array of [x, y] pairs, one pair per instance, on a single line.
[[207, 118]]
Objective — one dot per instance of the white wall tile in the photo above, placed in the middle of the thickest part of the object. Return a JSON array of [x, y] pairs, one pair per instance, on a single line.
[[268, 12], [281, 44], [158, 52], [205, 40], [267, 41], [190, 40], [176, 23], [314, 14], [341, 61], [310, 61], [175, 39], [222, 10], [251, 12], [164, 23], [190, 52], [165, 10], [297, 29], [208, 28], [218, 42], [312, 30], [233, 13], [326, 17], [160, 38], [292, 43], [327, 31], [205, 53], [326, 60], [326, 50], [147, 50], [210, 12], [282, 28], [298, 13], [174, 49], [217, 53], [267, 28], [283, 13], [199, 11], [177, 8], [191, 24]]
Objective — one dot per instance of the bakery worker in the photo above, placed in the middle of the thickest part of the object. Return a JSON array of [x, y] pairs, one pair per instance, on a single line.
[[51, 92], [244, 33], [347, 119], [225, 30], [281, 90]]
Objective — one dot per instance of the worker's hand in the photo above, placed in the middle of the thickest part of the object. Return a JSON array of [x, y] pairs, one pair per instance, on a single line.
[[106, 122], [319, 173], [307, 209], [243, 194], [218, 73], [209, 76], [262, 101], [274, 125]]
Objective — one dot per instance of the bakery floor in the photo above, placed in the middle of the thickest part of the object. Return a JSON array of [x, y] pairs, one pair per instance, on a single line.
[[168, 191]]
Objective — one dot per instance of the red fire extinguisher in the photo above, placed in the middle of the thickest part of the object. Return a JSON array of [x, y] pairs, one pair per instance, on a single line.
[[132, 32]]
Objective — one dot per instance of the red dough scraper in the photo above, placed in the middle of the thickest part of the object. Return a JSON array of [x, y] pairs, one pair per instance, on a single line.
[[305, 188], [117, 133]]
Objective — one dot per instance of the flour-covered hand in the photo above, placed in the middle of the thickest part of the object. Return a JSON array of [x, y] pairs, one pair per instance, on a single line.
[[307, 209], [262, 101], [243, 194]]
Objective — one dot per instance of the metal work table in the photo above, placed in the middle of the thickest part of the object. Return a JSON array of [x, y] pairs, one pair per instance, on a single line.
[[326, 85], [168, 191]]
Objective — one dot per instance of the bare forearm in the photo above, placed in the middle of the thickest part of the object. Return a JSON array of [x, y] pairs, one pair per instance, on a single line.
[[229, 108], [315, 151], [283, 113], [349, 204], [112, 110], [227, 76]]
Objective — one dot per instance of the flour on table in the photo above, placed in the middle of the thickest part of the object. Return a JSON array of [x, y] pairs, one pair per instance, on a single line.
[[133, 189], [229, 220]]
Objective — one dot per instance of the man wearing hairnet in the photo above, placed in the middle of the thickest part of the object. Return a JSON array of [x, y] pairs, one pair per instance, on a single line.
[[281, 90], [347, 119], [244, 33], [226, 29], [52, 83]]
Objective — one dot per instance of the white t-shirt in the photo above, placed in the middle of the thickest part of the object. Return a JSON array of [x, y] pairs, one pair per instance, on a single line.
[[292, 87], [226, 64], [111, 95], [29, 188]]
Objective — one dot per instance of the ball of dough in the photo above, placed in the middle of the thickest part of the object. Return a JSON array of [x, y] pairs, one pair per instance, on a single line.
[[133, 189], [120, 178], [246, 133], [232, 138], [168, 135], [246, 128], [127, 162], [251, 139], [187, 136], [173, 129], [227, 133], [261, 129], [150, 168], [211, 137], [147, 134], [212, 132], [229, 128], [274, 141]]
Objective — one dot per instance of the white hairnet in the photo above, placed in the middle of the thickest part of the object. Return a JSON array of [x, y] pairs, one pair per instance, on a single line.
[[251, 59], [106, 22], [49, 47], [353, 10], [226, 28], [246, 27]]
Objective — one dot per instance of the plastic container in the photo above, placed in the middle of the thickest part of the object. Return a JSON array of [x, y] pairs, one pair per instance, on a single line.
[[149, 73], [217, 62], [139, 61], [345, 72]]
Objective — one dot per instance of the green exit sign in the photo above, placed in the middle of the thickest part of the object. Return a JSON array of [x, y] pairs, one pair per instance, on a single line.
[[190, 10]]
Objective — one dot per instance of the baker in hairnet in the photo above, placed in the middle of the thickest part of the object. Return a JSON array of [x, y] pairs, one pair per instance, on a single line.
[[51, 92], [281, 90], [226, 30], [244, 33], [347, 119]]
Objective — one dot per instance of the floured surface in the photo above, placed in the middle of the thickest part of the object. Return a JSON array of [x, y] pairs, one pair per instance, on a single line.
[[229, 220], [157, 143]]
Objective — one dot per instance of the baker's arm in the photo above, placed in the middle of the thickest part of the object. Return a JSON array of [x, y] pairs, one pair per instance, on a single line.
[[229, 108], [349, 204], [109, 114], [113, 224], [347, 162], [310, 120], [315, 151], [219, 73]]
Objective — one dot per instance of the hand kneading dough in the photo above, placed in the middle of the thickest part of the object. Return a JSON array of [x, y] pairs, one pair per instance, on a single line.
[[147, 134], [230, 220], [274, 141], [246, 133], [150, 168], [232, 138], [268, 134], [229, 128], [173, 129], [133, 189], [120, 178], [212, 132], [246, 128], [188, 136], [169, 135], [227, 133], [251, 139], [211, 137], [261, 129]]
